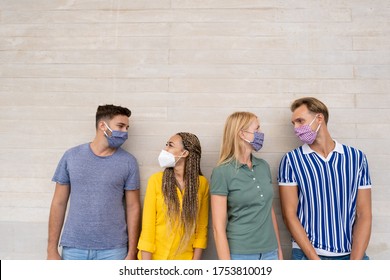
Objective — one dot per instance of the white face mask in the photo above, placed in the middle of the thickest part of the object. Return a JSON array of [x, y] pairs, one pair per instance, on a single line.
[[166, 159]]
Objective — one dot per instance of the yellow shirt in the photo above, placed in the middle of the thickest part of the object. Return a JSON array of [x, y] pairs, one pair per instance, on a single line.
[[156, 235]]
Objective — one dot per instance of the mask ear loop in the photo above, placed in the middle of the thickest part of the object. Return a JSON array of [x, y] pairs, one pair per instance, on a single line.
[[313, 120], [179, 157], [246, 140], [105, 133], [318, 128], [108, 127]]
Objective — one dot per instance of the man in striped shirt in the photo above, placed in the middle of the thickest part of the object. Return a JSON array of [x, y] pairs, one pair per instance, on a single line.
[[325, 190]]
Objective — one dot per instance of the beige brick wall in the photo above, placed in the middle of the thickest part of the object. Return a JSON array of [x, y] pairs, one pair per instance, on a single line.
[[183, 65]]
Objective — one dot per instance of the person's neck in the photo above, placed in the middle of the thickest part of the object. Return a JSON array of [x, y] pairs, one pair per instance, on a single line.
[[179, 171], [100, 148], [179, 176], [246, 158], [323, 145]]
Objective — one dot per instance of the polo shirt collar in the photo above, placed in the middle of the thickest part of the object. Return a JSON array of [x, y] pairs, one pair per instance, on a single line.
[[255, 161], [338, 148]]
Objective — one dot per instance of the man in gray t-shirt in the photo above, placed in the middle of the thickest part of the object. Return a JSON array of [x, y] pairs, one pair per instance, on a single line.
[[95, 178]]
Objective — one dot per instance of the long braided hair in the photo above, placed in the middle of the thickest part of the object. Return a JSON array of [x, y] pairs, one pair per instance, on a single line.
[[184, 219]]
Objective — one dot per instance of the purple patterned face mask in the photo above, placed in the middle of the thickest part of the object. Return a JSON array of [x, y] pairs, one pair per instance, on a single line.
[[306, 134], [258, 140]]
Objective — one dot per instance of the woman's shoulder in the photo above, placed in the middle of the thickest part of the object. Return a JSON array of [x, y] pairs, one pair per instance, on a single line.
[[224, 167], [156, 176], [258, 161], [203, 179], [203, 183]]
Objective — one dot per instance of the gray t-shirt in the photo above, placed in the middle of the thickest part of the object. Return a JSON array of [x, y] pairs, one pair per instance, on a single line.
[[96, 216]]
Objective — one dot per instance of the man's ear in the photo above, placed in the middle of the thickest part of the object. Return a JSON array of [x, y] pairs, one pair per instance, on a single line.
[[101, 126], [321, 118]]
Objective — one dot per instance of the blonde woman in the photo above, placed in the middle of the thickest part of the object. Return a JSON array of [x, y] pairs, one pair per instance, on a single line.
[[244, 222], [176, 205]]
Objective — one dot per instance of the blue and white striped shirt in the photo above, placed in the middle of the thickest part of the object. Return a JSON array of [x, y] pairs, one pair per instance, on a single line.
[[327, 192]]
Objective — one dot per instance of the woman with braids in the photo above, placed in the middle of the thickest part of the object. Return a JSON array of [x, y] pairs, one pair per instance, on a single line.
[[176, 205], [244, 222]]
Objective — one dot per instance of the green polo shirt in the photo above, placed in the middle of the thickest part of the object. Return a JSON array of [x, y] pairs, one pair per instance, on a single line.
[[249, 194]]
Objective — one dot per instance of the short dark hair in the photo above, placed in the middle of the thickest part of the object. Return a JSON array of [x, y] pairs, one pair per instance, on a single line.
[[313, 105], [109, 111]]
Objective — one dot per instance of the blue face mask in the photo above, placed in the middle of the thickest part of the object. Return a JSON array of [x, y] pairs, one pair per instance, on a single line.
[[117, 137], [258, 140]]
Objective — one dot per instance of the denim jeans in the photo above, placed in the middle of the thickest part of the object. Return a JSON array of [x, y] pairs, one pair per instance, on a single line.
[[69, 253], [297, 254], [272, 255]]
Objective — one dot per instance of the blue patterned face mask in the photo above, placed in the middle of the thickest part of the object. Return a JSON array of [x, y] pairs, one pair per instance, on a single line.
[[258, 140], [117, 137]]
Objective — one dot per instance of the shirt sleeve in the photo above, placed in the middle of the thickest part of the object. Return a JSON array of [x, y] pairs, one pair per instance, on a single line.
[[286, 175], [203, 218], [219, 184], [147, 238], [364, 174], [61, 175], [133, 180]]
